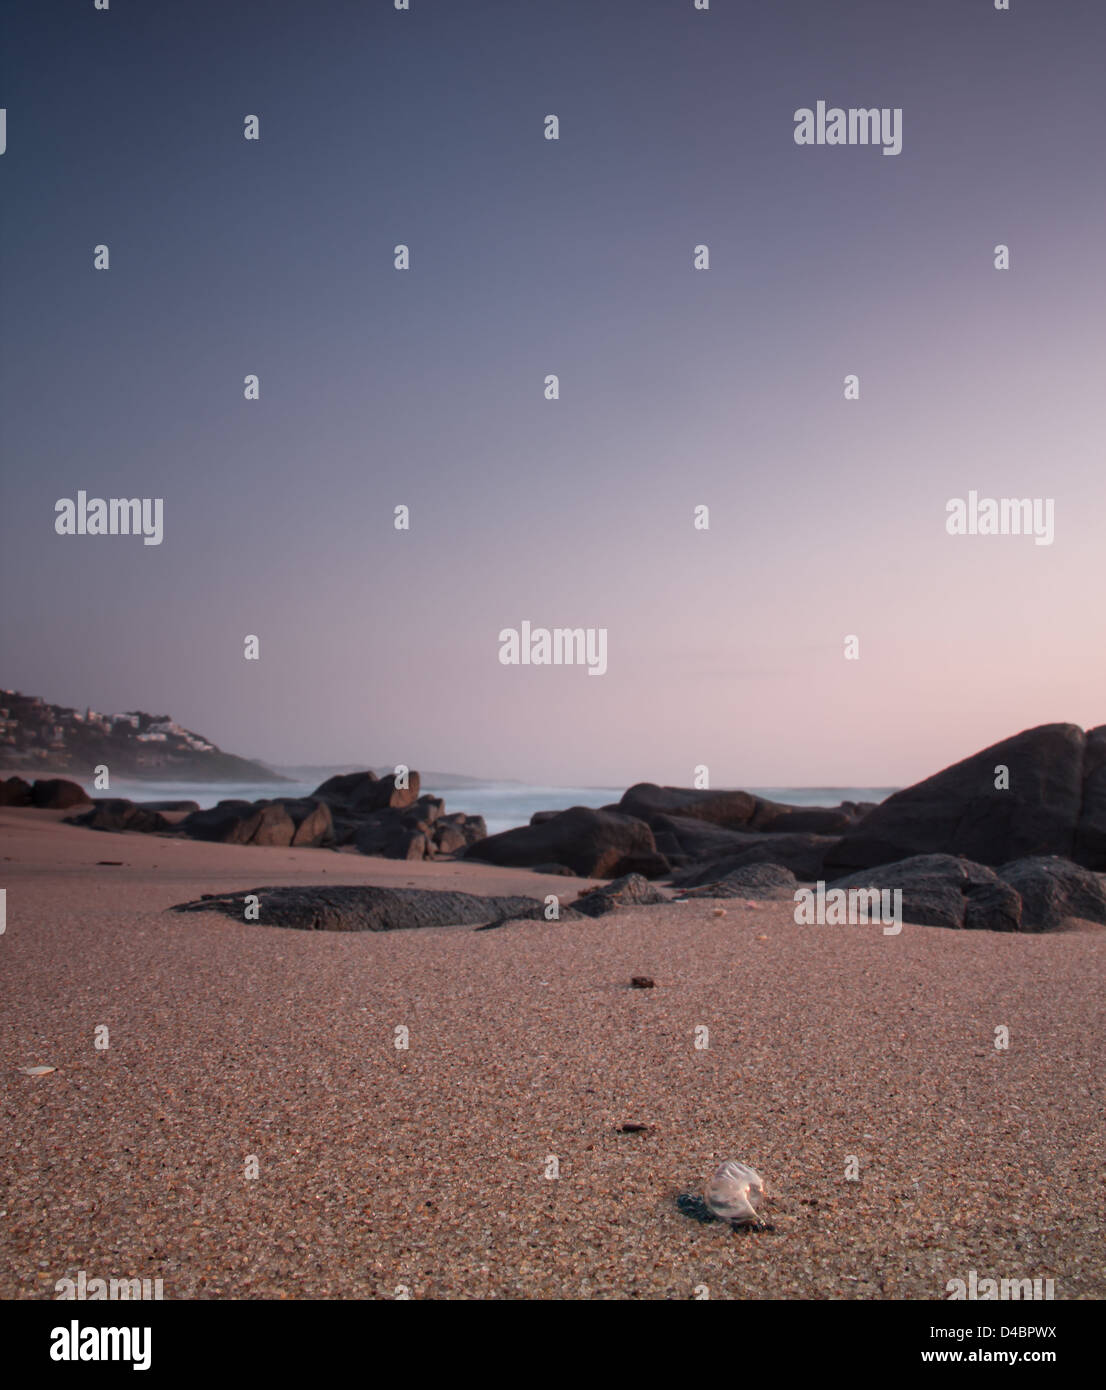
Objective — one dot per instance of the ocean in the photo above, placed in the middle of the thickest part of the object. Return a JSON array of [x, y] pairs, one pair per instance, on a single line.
[[502, 804]]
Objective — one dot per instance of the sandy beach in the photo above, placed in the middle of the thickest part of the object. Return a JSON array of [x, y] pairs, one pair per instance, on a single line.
[[424, 1169]]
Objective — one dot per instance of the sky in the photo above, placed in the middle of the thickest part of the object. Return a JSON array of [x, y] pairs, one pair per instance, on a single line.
[[679, 388]]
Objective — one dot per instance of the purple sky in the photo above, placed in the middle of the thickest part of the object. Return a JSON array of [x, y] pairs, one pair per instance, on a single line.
[[678, 388]]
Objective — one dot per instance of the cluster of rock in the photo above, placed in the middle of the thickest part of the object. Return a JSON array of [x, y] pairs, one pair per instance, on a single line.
[[1034, 894], [1010, 839], [383, 816], [656, 830]]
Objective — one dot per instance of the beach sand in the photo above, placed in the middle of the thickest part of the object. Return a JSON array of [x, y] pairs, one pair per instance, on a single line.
[[424, 1169]]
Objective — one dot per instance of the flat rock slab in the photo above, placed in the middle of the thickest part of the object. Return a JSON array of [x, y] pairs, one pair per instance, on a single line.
[[365, 908]]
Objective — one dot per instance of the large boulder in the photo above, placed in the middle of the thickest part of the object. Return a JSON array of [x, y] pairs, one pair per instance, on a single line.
[[775, 819], [57, 794], [362, 792], [1053, 889], [15, 792], [1090, 830], [593, 844], [804, 855], [960, 812], [646, 800], [732, 810], [940, 890]]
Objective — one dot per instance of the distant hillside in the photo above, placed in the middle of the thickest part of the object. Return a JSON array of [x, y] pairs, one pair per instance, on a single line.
[[39, 738]]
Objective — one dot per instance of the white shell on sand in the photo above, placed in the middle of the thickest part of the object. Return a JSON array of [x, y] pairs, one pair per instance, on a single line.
[[36, 1071], [735, 1192]]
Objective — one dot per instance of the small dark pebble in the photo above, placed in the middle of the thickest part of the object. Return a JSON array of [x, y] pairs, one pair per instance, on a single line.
[[118, 863], [632, 1127], [641, 982]]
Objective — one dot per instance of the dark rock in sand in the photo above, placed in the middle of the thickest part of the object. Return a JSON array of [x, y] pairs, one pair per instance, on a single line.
[[959, 811], [754, 880], [594, 844], [57, 794], [1052, 889], [804, 855], [363, 908], [118, 814], [15, 792], [1090, 829], [560, 870], [299, 821], [631, 890], [940, 890]]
